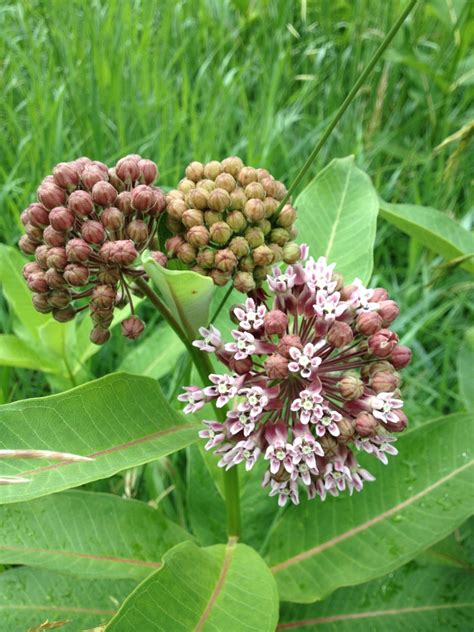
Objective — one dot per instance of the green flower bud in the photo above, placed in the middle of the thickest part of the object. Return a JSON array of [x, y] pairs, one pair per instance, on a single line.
[[238, 199], [199, 270], [277, 252], [192, 217], [198, 198], [40, 302], [244, 282], [54, 279], [176, 208], [195, 171], [262, 256], [255, 190], [59, 298], [64, 315], [172, 244], [260, 273], [174, 225], [280, 191], [186, 253], [263, 173], [293, 232], [185, 185], [232, 165], [269, 186], [265, 226], [198, 236], [112, 218], [219, 200], [279, 236], [240, 247], [137, 231], [211, 217], [246, 264], [220, 233], [219, 278], [205, 258], [255, 237], [225, 260], [291, 253], [237, 221], [107, 276], [207, 184], [271, 206], [99, 336], [213, 169], [226, 181], [254, 210], [287, 216], [247, 175]]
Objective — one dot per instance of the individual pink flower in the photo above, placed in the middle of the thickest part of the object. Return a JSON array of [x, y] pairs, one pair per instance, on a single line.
[[211, 339], [383, 405], [215, 433], [195, 398], [305, 361], [224, 389], [326, 420], [307, 403], [250, 316], [329, 306]]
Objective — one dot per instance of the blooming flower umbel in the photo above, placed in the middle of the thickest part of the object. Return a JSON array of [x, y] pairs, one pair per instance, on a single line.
[[312, 379]]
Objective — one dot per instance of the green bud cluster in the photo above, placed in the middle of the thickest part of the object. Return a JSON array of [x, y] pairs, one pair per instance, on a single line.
[[224, 223]]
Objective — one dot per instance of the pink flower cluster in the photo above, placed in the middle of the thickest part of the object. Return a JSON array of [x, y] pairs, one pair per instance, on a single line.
[[312, 379]]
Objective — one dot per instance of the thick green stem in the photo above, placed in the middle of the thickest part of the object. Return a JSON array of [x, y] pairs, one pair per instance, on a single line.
[[348, 100], [204, 367]]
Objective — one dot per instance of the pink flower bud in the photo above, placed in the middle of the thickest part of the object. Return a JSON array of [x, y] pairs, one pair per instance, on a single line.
[[244, 282], [56, 258], [275, 322], [160, 203], [104, 296], [388, 310], [384, 382], [35, 233], [101, 166], [108, 276], [61, 219], [276, 366], [64, 315], [219, 278], [339, 334], [159, 257], [287, 342], [123, 252], [81, 203], [398, 426], [225, 260], [172, 244], [91, 176], [37, 282], [369, 323], [124, 203], [53, 237], [132, 327], [40, 303], [127, 170], [366, 424], [93, 232], [104, 194], [143, 198], [112, 219], [54, 279], [198, 236], [99, 336], [59, 298], [350, 387], [186, 253], [137, 230], [30, 268], [115, 180], [382, 343], [50, 195], [37, 215], [27, 246], [400, 356], [346, 429], [148, 171], [379, 294], [241, 367], [76, 274], [66, 176], [78, 250], [24, 217]]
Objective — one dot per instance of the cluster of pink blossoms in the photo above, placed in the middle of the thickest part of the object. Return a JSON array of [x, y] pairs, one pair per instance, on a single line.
[[313, 379]]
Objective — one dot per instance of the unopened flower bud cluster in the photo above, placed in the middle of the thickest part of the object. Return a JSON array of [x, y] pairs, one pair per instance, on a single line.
[[86, 230], [312, 379], [225, 223]]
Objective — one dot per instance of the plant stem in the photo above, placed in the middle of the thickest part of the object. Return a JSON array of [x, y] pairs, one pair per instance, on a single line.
[[348, 100], [221, 304], [204, 367]]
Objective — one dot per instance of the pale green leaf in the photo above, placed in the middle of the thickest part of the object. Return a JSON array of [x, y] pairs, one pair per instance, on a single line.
[[224, 587], [433, 229], [420, 497], [465, 367], [337, 218], [14, 352], [187, 294], [416, 597], [120, 421], [156, 355], [30, 596], [87, 533]]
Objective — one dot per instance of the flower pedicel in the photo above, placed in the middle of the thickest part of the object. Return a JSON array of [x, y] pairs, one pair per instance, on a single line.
[[312, 379]]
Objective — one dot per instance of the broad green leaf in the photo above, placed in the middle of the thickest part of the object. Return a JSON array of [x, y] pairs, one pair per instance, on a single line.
[[465, 367], [337, 218], [14, 352], [87, 533], [156, 355], [420, 497], [224, 587], [30, 596], [120, 421], [434, 229], [187, 294], [456, 550], [416, 597]]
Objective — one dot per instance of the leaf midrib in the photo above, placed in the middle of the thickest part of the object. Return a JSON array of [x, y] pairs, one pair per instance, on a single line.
[[304, 555], [339, 212]]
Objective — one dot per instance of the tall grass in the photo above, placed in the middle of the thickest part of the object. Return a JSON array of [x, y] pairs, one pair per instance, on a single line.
[[203, 79]]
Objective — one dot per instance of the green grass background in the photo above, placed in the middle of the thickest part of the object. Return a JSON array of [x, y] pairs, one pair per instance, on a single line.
[[204, 79]]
